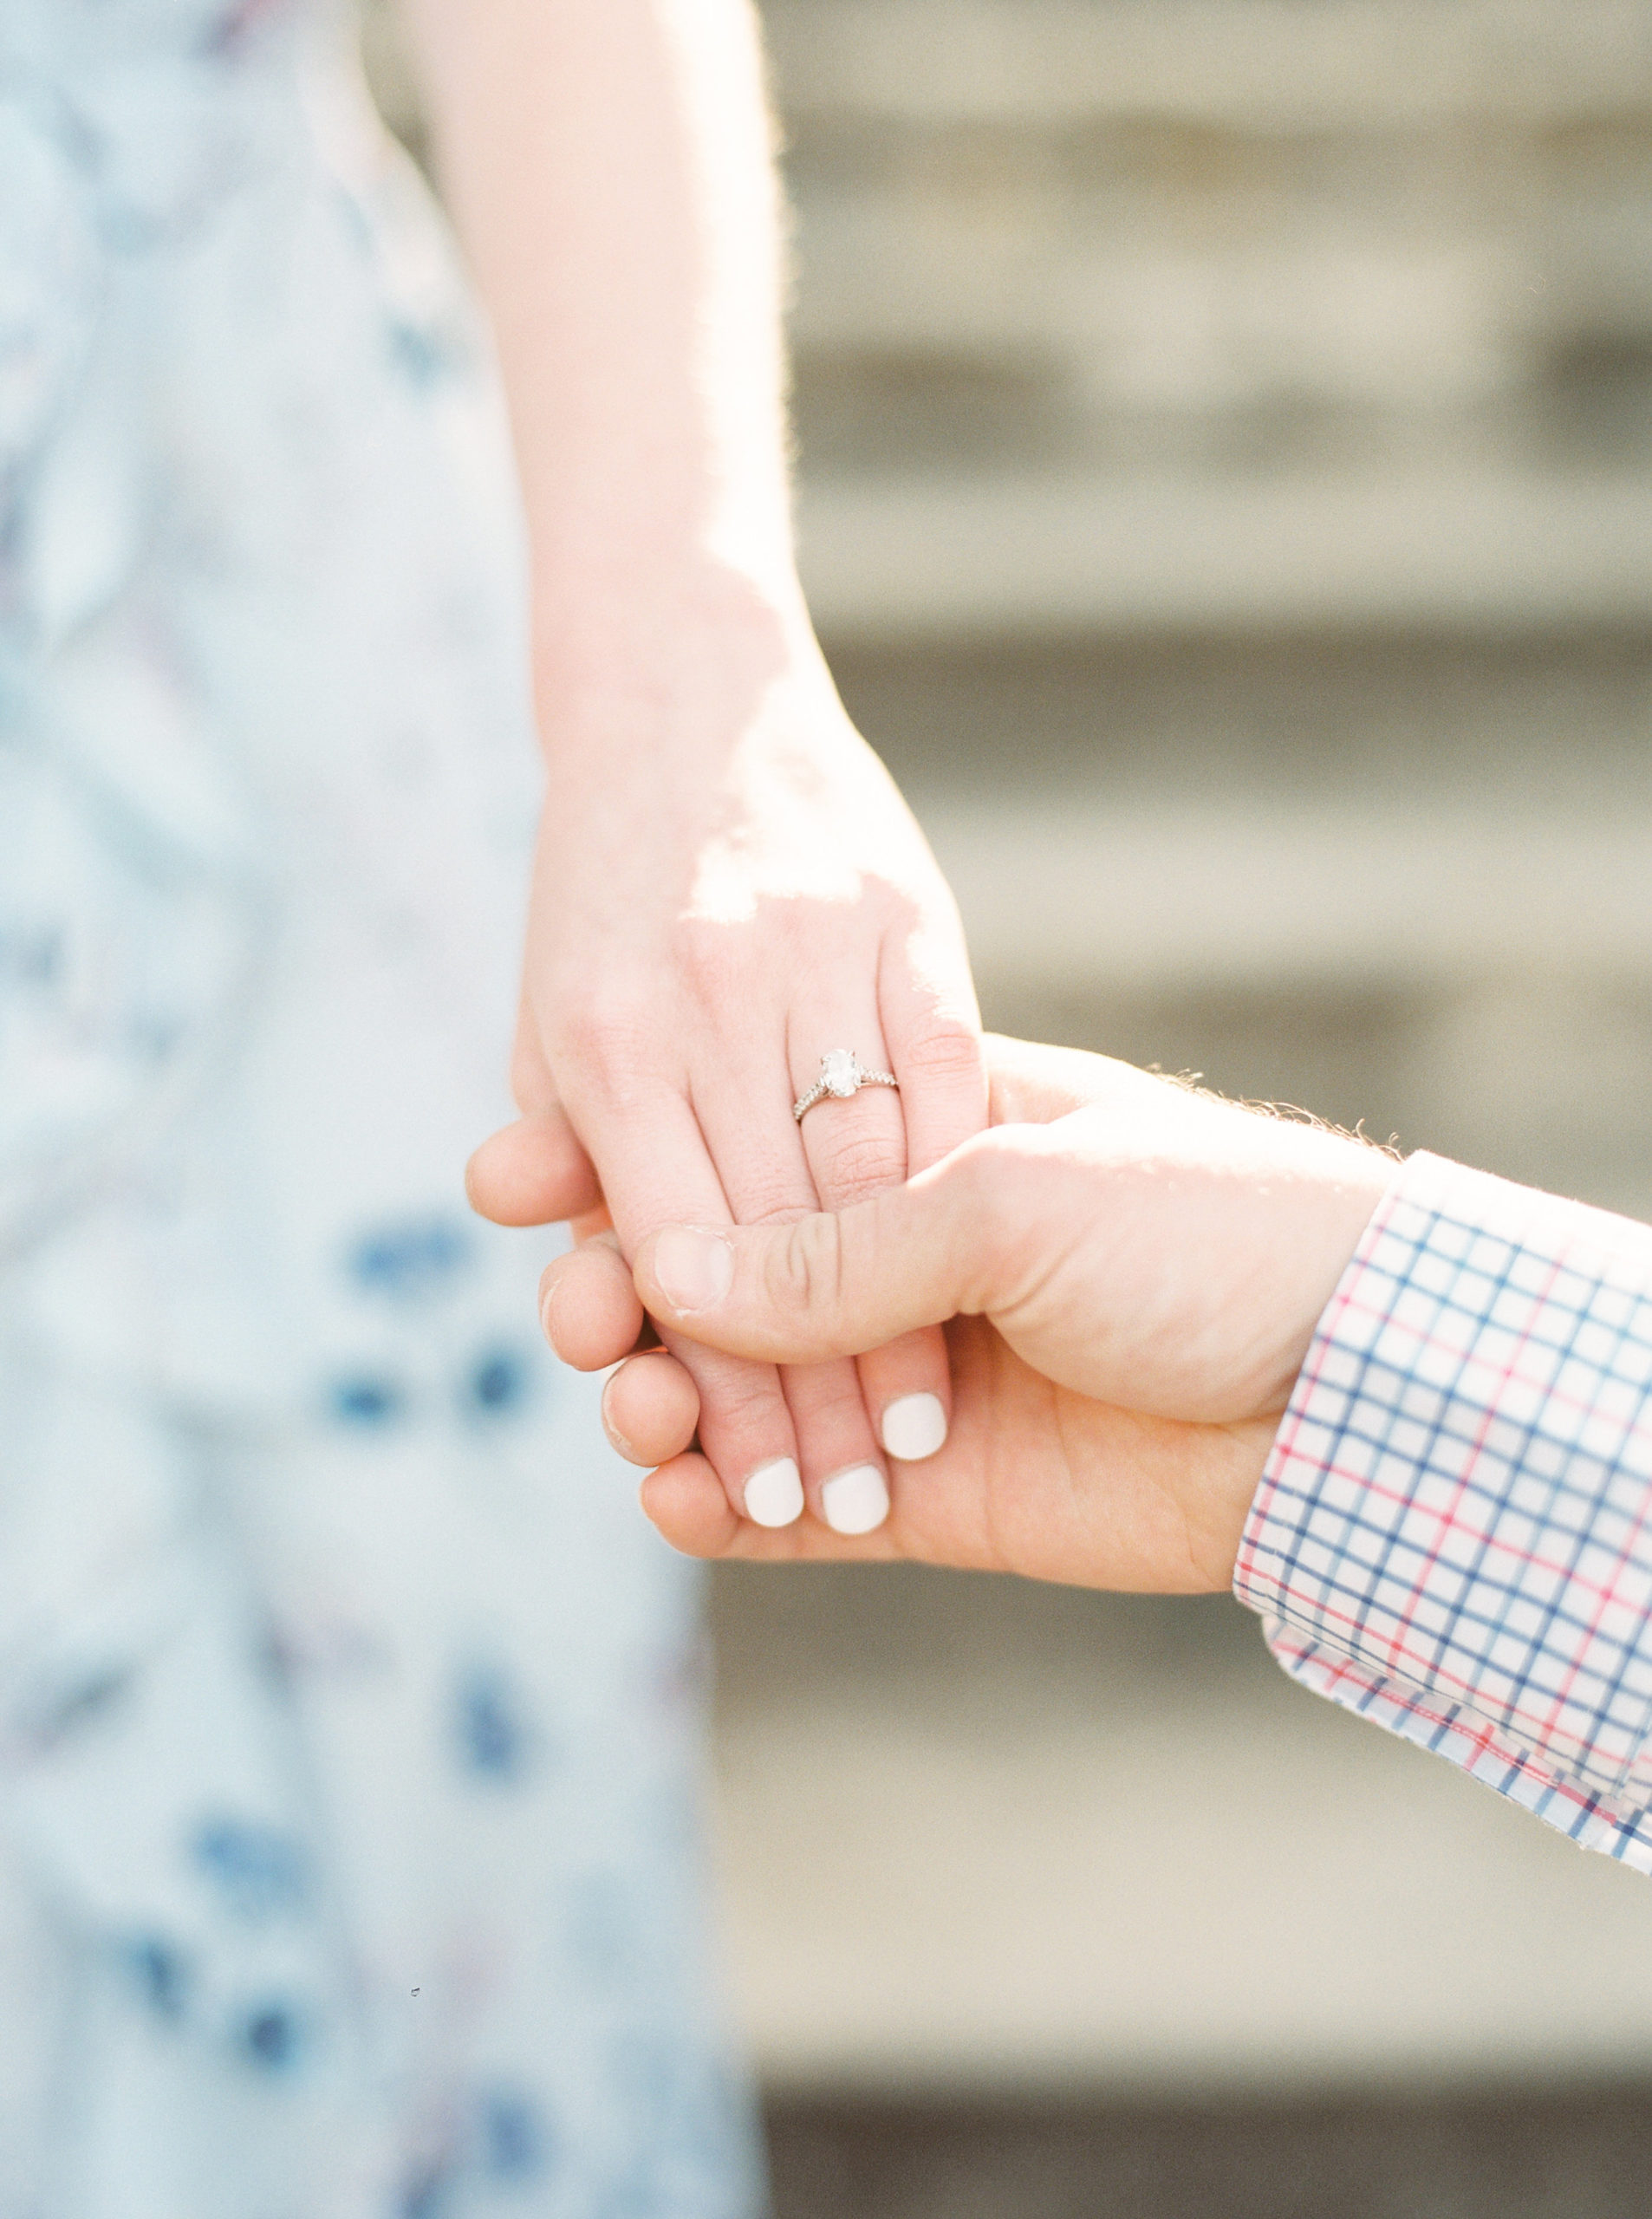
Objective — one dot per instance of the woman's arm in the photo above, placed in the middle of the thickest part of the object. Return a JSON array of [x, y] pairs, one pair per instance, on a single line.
[[607, 163], [727, 884]]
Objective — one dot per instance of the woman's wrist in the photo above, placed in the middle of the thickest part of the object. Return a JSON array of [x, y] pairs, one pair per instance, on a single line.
[[683, 657]]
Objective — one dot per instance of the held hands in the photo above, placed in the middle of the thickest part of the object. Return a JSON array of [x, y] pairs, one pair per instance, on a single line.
[[727, 886], [1133, 1272]]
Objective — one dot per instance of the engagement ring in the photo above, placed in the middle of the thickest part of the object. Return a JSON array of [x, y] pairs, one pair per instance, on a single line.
[[842, 1073]]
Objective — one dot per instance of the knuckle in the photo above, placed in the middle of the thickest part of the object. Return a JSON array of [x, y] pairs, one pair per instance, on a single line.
[[759, 1212], [606, 1054], [986, 1198], [768, 1193], [808, 1267], [836, 1405], [860, 1165], [600, 1035], [741, 1398], [709, 959], [967, 1175], [947, 1052]]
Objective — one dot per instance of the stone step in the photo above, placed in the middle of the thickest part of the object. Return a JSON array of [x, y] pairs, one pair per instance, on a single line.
[[1368, 318], [978, 1836], [1387, 880], [1230, 896], [1464, 975], [1093, 351], [911, 561], [1254, 65], [1080, 234]]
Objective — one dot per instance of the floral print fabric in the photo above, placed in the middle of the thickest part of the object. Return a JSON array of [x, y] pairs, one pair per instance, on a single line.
[[349, 1709]]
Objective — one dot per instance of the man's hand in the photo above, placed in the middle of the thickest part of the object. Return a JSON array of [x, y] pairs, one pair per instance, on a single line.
[[1133, 1270]]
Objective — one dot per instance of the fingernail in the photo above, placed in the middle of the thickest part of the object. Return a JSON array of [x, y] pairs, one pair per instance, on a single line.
[[774, 1493], [856, 1501], [914, 1427], [613, 1431], [694, 1269]]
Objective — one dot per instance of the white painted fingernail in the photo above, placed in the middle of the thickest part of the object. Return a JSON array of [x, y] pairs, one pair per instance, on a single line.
[[914, 1427], [774, 1493], [856, 1501]]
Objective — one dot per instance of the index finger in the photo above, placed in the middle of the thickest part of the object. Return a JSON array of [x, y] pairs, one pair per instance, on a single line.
[[654, 1167]]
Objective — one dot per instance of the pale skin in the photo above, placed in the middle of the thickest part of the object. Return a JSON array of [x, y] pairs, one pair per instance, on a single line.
[[727, 883], [1129, 1273]]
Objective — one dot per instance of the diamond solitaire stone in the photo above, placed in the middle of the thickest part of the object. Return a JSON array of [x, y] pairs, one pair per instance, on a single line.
[[838, 1073], [842, 1076]]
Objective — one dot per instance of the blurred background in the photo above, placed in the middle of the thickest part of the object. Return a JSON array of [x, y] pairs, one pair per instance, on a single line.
[[1226, 443]]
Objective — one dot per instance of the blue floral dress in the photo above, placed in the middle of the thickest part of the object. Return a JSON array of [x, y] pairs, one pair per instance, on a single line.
[[349, 1709]]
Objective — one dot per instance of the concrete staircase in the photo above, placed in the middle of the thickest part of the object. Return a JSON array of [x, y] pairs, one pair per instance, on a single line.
[[1226, 435], [1226, 239], [1225, 431]]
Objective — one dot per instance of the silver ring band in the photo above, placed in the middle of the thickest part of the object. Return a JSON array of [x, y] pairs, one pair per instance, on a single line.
[[842, 1073]]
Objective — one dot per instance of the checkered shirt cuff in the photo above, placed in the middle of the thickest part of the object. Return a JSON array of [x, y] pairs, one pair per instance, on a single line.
[[1453, 1533]]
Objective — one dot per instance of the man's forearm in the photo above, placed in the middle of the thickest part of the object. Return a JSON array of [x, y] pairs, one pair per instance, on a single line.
[[607, 163]]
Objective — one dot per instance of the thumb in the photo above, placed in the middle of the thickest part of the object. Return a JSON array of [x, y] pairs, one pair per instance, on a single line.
[[834, 1285]]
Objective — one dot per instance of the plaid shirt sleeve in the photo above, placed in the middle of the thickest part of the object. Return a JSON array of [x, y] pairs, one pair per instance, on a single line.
[[1453, 1533]]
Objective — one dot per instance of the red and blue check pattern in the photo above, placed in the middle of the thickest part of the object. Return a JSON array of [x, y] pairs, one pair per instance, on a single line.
[[1453, 1533]]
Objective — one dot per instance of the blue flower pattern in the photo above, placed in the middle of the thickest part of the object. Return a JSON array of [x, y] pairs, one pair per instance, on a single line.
[[349, 1744]]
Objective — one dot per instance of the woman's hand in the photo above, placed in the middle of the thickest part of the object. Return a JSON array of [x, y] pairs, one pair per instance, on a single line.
[[727, 886], [1134, 1271]]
